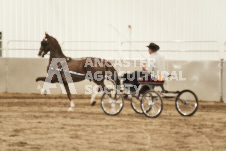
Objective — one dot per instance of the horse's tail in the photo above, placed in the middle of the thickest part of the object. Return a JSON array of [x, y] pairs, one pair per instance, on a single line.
[[114, 75]]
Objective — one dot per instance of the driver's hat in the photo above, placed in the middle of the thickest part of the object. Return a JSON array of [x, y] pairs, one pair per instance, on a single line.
[[153, 46]]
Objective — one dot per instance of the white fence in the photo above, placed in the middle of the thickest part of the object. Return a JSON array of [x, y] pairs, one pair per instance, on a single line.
[[172, 50], [176, 50]]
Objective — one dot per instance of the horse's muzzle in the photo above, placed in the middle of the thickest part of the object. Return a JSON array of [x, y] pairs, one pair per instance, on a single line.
[[41, 54]]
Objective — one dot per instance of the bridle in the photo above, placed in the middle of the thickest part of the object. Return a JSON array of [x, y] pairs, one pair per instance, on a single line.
[[44, 43]]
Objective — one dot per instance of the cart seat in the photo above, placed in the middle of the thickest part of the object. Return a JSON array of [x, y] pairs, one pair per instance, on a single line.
[[150, 80]]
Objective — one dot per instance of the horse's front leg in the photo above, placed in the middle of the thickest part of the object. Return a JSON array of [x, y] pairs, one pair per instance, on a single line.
[[94, 94], [71, 108]]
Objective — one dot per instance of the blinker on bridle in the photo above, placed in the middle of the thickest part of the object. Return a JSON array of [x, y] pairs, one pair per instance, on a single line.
[[44, 43]]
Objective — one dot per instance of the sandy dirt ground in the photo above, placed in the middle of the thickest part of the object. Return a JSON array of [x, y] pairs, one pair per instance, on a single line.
[[31, 123]]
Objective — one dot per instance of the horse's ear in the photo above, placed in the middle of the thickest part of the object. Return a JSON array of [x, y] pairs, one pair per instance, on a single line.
[[47, 35]]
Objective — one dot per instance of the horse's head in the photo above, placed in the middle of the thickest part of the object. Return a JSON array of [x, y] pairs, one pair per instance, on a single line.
[[49, 43], [45, 46]]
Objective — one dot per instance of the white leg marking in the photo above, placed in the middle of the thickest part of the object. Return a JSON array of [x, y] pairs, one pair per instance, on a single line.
[[42, 90], [94, 94], [39, 87], [72, 105], [93, 97]]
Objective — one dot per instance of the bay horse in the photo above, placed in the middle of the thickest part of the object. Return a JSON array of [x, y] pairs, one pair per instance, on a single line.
[[50, 44]]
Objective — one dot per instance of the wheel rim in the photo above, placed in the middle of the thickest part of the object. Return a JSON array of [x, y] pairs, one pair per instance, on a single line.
[[151, 104], [112, 103], [186, 103], [136, 100]]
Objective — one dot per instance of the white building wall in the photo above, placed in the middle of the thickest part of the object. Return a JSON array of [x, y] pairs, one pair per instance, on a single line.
[[77, 20]]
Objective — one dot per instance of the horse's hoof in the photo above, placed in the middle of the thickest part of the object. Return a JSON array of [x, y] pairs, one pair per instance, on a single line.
[[70, 109], [43, 91], [93, 103]]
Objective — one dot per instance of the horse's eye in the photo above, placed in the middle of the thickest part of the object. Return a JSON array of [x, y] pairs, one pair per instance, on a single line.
[[44, 43]]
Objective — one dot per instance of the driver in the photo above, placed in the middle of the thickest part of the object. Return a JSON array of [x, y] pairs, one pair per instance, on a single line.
[[156, 66]]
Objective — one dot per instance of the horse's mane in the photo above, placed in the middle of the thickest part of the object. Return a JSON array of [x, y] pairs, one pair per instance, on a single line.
[[55, 43], [56, 49]]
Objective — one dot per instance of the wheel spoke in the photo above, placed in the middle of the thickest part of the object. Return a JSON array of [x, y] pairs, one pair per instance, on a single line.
[[135, 102], [186, 103], [152, 104], [112, 105]]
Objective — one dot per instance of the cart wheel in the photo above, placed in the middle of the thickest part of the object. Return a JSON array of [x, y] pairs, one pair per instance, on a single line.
[[151, 104], [186, 103], [112, 102], [135, 103]]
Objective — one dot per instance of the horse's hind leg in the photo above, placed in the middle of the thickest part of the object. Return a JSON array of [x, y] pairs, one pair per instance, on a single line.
[[40, 79], [43, 91], [71, 108], [93, 96]]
